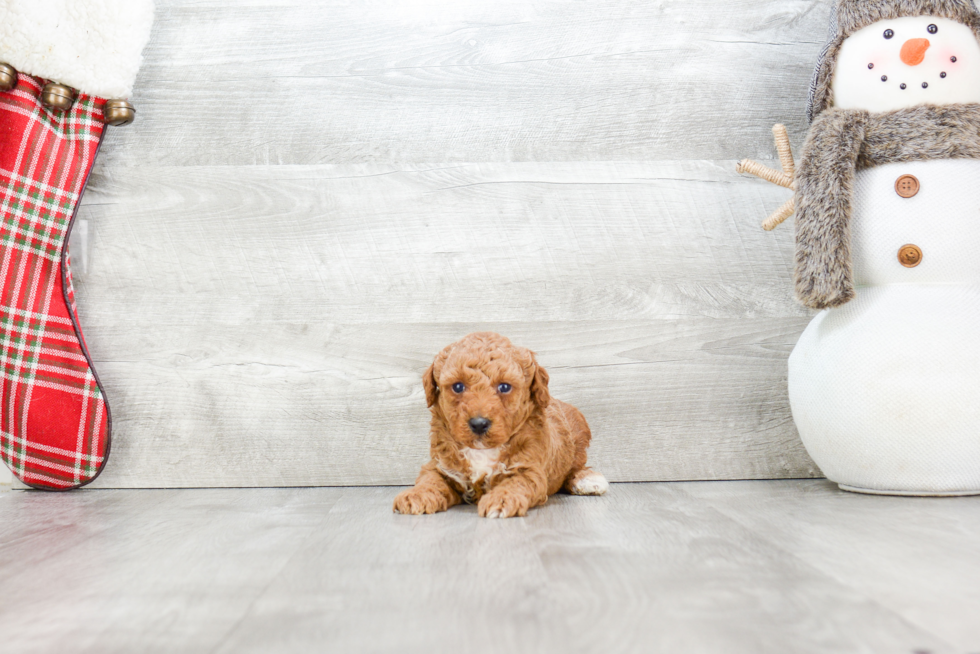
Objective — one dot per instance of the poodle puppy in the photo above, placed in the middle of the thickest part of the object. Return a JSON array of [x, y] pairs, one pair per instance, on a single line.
[[498, 439]]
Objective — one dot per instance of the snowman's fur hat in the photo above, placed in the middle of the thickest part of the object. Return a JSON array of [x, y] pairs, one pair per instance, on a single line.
[[848, 16]]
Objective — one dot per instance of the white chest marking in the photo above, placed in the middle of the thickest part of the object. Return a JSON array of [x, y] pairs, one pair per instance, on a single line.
[[484, 464]]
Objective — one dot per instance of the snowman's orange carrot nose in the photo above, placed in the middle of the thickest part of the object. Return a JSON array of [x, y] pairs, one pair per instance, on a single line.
[[914, 51]]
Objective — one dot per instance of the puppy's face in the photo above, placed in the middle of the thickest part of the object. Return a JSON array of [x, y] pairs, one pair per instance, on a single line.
[[483, 389]]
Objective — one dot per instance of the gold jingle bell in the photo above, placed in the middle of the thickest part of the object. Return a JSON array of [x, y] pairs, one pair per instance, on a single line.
[[118, 112], [57, 96], [8, 77]]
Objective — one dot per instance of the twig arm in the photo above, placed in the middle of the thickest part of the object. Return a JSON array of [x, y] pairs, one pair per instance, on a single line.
[[766, 173], [784, 150], [784, 178], [779, 216]]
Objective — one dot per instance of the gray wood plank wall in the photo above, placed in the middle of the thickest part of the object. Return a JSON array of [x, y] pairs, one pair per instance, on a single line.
[[317, 196]]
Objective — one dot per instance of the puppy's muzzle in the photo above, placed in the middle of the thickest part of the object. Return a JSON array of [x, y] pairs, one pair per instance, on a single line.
[[479, 426]]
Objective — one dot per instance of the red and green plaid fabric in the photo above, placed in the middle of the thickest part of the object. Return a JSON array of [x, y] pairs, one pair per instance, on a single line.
[[54, 421]]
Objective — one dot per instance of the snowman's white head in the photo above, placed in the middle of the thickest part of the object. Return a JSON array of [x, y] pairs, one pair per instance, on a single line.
[[907, 61], [871, 39]]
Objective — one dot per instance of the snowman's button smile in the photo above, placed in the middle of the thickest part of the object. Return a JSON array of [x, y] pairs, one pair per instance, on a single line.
[[909, 67]]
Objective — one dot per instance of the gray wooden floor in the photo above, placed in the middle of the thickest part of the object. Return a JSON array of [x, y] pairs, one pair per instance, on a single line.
[[773, 566]]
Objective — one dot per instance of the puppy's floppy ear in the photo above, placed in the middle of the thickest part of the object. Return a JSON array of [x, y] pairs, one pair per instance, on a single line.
[[431, 385], [539, 383], [430, 378]]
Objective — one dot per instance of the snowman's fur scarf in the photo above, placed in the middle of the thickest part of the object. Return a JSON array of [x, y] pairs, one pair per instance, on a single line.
[[824, 186], [841, 142], [921, 133], [852, 15]]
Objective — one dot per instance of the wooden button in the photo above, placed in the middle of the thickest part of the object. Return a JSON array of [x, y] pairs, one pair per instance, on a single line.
[[907, 186], [910, 256]]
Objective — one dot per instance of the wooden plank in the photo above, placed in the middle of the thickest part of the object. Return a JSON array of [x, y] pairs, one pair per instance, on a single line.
[[146, 571], [269, 325], [412, 81], [467, 243], [339, 405], [372, 565], [845, 536], [645, 568]]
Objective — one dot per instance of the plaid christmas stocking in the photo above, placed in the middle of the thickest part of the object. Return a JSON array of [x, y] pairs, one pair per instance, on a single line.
[[54, 420]]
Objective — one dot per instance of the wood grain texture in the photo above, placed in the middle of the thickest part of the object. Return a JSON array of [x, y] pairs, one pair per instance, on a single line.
[[934, 541], [302, 82], [269, 325], [316, 197], [739, 567], [454, 243]]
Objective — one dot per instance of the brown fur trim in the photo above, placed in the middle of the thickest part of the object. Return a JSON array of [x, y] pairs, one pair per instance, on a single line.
[[840, 143], [853, 15], [921, 133], [823, 97], [824, 188]]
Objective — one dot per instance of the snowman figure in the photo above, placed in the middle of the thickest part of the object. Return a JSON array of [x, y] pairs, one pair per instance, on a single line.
[[884, 383]]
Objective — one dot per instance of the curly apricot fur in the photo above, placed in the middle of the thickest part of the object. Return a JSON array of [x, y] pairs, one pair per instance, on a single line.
[[535, 445]]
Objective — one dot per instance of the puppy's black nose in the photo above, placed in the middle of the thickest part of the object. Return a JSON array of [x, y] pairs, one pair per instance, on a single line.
[[479, 426]]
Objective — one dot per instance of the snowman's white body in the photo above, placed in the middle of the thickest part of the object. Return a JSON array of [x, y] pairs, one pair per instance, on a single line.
[[885, 390]]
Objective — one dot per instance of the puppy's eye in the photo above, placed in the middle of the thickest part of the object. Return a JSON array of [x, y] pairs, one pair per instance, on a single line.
[[504, 388], [458, 387], [932, 29], [889, 34]]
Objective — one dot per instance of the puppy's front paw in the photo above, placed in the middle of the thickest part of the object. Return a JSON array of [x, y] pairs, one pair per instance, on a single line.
[[501, 504], [416, 502]]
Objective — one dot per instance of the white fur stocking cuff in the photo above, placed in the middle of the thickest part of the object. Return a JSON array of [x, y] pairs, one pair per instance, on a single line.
[[94, 46]]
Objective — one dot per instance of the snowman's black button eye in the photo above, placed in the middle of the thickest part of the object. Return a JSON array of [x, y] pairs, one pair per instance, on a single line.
[[889, 34], [458, 387], [953, 59], [925, 85], [870, 66], [932, 29], [884, 78], [943, 75], [902, 86]]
